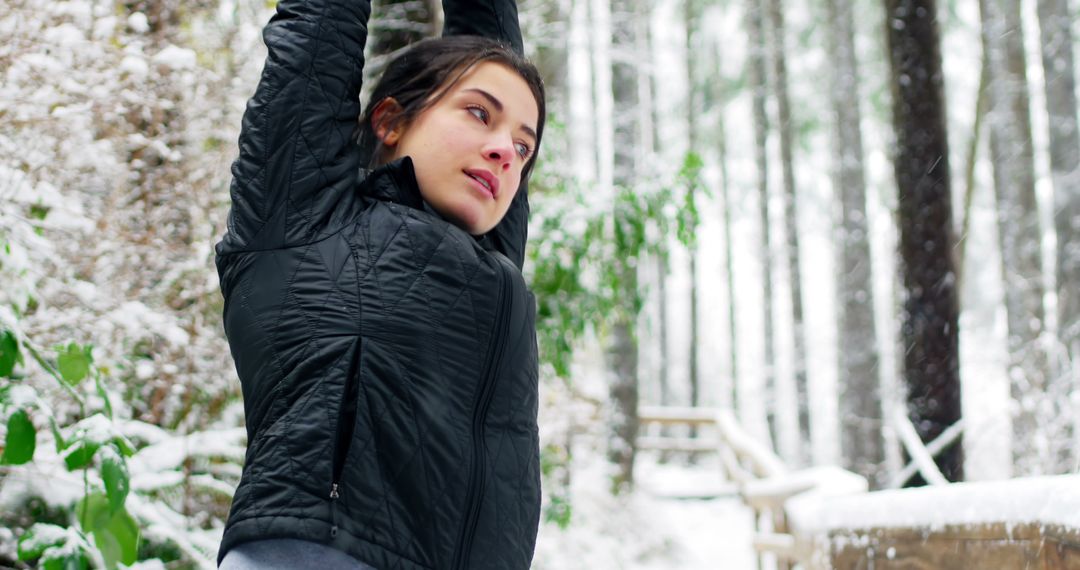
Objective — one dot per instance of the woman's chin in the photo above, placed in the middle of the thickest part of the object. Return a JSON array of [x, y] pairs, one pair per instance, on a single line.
[[468, 218]]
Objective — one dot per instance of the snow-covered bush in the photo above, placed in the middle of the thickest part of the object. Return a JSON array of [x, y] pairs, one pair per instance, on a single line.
[[115, 124]]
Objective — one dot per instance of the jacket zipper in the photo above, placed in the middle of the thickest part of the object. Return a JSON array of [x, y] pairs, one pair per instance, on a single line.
[[478, 480], [346, 421]]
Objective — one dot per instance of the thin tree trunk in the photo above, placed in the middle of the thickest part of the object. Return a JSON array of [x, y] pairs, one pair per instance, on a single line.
[[791, 251], [665, 383], [694, 115], [930, 333], [861, 438], [730, 396], [397, 23], [757, 73], [969, 172], [623, 350], [600, 37], [1018, 227], [1060, 83], [650, 139]]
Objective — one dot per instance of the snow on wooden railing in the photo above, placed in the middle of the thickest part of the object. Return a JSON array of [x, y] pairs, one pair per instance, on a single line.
[[824, 518], [1019, 523]]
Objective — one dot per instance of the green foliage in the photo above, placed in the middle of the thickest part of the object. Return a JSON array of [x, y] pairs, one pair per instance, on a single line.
[[117, 482], [584, 261], [9, 353], [73, 363], [555, 465], [115, 532], [21, 439], [56, 548], [80, 454], [559, 511], [89, 445]]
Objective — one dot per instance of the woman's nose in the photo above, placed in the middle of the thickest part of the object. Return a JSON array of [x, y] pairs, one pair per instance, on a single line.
[[500, 151]]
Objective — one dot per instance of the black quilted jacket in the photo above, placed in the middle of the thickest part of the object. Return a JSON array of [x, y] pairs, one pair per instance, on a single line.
[[387, 358]]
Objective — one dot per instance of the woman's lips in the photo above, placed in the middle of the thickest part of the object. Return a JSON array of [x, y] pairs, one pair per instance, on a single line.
[[485, 181]]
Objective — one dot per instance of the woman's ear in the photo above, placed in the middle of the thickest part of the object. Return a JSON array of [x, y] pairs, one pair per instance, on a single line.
[[383, 119]]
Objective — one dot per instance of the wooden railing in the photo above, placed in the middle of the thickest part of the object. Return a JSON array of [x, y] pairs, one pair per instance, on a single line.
[[822, 518], [1002, 525], [763, 481]]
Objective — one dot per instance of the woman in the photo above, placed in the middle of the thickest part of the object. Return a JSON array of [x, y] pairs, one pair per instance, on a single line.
[[379, 322]]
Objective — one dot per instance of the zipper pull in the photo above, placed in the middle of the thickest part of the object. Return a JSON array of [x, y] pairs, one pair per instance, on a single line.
[[334, 496]]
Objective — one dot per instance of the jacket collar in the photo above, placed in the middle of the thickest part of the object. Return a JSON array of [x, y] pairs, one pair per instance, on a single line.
[[395, 182]]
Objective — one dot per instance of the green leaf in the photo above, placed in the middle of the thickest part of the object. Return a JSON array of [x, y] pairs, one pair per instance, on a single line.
[[117, 483], [57, 436], [9, 353], [115, 532], [125, 447], [80, 454], [93, 512], [104, 396], [21, 439], [74, 363], [66, 561], [120, 542], [38, 538]]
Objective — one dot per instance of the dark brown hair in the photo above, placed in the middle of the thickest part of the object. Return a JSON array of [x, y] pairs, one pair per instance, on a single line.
[[428, 70]]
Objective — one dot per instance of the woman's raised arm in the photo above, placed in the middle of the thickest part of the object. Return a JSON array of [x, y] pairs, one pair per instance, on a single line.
[[496, 19], [298, 160]]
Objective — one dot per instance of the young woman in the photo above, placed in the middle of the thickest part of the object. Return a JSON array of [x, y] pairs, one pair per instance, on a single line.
[[374, 303]]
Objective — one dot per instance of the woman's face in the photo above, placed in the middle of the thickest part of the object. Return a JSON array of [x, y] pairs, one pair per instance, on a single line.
[[469, 148]]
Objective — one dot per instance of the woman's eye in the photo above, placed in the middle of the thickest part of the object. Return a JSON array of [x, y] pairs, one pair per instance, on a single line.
[[479, 113], [522, 149]]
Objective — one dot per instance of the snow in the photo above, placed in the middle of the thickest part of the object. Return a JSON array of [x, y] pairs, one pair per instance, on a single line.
[[175, 57], [825, 480], [154, 461], [135, 65], [96, 429], [650, 529], [138, 22], [1045, 500], [136, 317], [43, 535]]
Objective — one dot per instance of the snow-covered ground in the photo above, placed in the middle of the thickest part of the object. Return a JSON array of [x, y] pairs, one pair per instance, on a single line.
[[667, 523]]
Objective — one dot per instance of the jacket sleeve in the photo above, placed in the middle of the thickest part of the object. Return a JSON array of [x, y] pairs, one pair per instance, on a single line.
[[496, 19], [298, 165]]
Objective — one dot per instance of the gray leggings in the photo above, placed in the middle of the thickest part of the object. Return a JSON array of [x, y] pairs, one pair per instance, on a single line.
[[288, 554]]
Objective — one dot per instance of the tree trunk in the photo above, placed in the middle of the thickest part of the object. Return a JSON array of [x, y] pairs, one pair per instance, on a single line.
[[719, 92], [791, 251], [395, 24], [694, 111], [661, 283], [971, 161], [757, 75], [1061, 105], [600, 43], [930, 333], [623, 350], [861, 440], [1034, 441], [649, 137]]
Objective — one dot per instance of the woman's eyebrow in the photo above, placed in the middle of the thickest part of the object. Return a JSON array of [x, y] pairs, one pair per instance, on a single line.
[[499, 107]]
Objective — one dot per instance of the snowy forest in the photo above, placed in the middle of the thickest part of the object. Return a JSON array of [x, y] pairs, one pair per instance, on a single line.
[[848, 223]]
